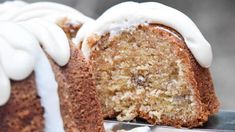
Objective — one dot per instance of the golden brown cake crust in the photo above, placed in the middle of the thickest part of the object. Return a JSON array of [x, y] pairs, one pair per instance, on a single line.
[[69, 28], [79, 104], [23, 111], [199, 77], [80, 107]]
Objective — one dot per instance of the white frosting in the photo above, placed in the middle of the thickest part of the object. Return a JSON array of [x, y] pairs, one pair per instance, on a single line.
[[20, 54], [45, 10], [47, 88], [52, 38], [5, 86], [129, 14], [10, 6], [25, 28]]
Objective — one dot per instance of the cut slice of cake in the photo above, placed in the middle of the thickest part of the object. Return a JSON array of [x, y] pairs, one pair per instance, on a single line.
[[150, 61]]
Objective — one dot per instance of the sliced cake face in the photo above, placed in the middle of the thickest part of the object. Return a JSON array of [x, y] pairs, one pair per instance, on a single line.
[[145, 71], [146, 64], [117, 19]]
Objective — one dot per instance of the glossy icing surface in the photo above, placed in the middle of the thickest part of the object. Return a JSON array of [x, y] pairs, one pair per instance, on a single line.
[[27, 30], [20, 56], [17, 11], [117, 19]]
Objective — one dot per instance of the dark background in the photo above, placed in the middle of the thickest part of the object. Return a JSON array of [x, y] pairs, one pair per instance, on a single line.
[[215, 19]]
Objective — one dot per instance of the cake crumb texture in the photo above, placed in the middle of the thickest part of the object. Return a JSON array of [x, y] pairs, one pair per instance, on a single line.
[[148, 72]]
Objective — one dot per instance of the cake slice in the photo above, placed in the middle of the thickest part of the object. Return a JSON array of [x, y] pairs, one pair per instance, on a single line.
[[150, 61], [45, 82]]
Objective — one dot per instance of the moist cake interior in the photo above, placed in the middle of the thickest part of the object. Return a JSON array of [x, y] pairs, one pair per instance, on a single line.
[[141, 70]]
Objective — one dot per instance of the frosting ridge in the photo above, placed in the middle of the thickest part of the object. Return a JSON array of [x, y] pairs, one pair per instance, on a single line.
[[20, 56], [47, 10], [117, 19], [27, 30], [51, 37]]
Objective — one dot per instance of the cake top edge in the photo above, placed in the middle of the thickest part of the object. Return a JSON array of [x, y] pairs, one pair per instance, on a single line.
[[30, 37], [127, 14], [51, 11], [32, 33]]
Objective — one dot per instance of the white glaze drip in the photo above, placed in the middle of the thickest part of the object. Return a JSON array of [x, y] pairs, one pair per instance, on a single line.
[[23, 54], [17, 56], [5, 86], [51, 37], [47, 88], [20, 51], [129, 14], [36, 23], [10, 6]]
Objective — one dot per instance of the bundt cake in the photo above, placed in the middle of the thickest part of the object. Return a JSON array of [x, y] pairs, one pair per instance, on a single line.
[[150, 61], [46, 84]]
